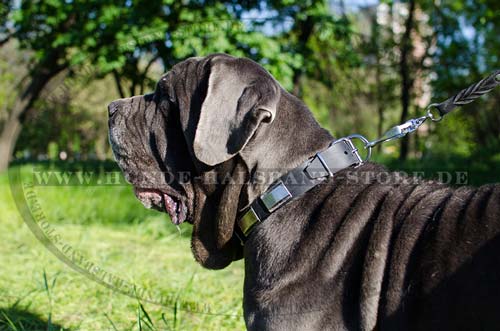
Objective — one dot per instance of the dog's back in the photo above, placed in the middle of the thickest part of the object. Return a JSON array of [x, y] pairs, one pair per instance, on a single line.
[[374, 250]]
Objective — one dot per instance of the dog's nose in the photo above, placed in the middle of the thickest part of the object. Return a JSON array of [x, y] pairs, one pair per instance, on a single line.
[[113, 107]]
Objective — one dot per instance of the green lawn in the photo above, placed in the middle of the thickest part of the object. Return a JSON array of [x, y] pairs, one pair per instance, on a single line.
[[110, 228]]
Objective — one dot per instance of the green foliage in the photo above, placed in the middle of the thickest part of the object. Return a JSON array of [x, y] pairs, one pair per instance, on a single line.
[[5, 9], [136, 42], [117, 37], [345, 66], [467, 50]]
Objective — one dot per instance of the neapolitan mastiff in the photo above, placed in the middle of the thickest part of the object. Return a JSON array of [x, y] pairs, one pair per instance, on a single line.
[[353, 252]]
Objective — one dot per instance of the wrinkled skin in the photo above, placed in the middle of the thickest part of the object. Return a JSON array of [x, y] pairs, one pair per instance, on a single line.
[[353, 253]]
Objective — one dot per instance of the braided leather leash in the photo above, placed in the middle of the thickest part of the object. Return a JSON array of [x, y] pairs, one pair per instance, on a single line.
[[469, 94]]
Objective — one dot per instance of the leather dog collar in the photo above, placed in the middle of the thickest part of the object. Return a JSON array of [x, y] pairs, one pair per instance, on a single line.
[[339, 155]]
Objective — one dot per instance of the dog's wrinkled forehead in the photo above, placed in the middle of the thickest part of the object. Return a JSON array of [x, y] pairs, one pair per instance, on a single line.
[[148, 133], [182, 89], [185, 87]]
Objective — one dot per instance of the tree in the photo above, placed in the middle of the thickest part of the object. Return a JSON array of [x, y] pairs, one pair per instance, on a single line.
[[113, 37], [412, 67], [404, 70], [39, 33], [466, 51], [5, 31], [401, 42], [379, 50]]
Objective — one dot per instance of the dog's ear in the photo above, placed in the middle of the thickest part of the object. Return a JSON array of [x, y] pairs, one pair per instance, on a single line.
[[241, 96], [212, 241]]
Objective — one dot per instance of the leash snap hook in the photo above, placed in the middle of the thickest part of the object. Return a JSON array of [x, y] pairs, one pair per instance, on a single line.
[[400, 131]]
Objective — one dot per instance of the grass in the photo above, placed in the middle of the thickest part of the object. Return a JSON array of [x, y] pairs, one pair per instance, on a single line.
[[112, 229]]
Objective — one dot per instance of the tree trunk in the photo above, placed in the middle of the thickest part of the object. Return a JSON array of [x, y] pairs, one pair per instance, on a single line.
[[8, 139], [406, 82], [304, 30], [118, 83], [41, 75], [379, 91], [380, 105], [10, 132]]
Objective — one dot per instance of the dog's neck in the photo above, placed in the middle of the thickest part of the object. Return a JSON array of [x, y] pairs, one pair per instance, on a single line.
[[291, 144]]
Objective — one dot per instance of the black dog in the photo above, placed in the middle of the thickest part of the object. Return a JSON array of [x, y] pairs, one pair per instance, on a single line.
[[352, 253]]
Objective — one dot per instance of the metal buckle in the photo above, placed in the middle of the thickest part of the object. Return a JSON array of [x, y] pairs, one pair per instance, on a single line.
[[278, 195], [345, 145], [353, 148]]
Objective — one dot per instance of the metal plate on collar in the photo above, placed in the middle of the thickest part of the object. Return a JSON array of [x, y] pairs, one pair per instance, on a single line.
[[273, 199], [248, 221]]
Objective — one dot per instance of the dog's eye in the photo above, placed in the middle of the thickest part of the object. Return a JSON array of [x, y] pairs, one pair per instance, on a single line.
[[162, 84], [166, 88]]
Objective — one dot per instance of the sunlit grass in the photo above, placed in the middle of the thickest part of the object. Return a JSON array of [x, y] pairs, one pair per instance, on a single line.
[[107, 224]]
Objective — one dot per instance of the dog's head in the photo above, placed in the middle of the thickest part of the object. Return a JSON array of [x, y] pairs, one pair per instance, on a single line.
[[191, 147]]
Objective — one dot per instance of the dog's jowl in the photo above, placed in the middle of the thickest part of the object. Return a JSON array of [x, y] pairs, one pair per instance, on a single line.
[[353, 252]]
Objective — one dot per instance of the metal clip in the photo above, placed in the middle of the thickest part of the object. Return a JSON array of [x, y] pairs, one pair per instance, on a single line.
[[399, 130]]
